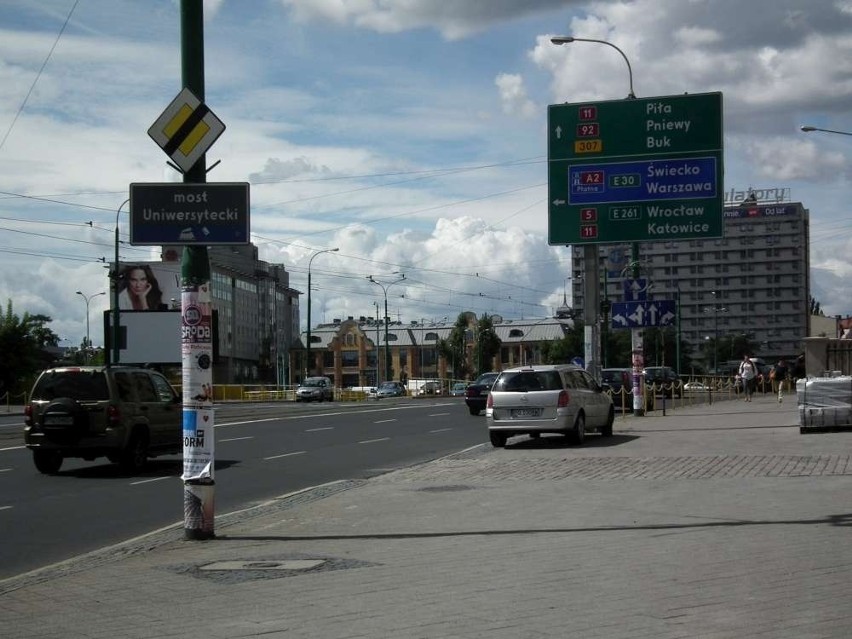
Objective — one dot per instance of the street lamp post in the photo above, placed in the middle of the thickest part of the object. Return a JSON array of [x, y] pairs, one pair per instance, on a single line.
[[87, 299], [385, 288], [116, 324], [308, 365], [559, 40], [809, 129], [591, 288], [716, 309]]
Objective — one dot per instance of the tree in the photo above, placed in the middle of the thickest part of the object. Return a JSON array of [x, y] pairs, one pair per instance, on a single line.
[[453, 348], [564, 350], [22, 342], [487, 345]]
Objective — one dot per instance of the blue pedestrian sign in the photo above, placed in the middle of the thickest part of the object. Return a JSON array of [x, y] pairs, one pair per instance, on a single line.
[[643, 314]]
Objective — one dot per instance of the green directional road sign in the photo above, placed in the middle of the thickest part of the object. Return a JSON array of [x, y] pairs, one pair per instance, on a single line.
[[635, 170]]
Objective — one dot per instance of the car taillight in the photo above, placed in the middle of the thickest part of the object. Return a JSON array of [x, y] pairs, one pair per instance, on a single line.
[[564, 399], [113, 415], [28, 414], [489, 403]]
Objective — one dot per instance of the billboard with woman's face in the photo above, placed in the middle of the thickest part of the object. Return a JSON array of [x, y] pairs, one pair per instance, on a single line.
[[148, 286]]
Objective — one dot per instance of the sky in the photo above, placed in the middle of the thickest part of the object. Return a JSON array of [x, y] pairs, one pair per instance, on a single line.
[[409, 134]]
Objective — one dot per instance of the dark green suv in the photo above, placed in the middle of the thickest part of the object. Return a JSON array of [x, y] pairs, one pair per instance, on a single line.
[[122, 413]]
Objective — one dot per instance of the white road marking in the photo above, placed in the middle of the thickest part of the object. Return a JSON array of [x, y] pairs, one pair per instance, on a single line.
[[314, 430], [384, 421], [5, 508], [440, 430], [148, 481], [300, 452], [232, 439], [373, 441], [437, 414]]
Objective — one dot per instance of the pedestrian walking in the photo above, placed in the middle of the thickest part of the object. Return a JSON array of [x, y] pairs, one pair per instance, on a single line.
[[782, 374], [748, 371]]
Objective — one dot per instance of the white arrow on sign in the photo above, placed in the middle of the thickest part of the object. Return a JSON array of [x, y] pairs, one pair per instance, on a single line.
[[559, 133], [666, 319], [637, 315], [558, 202], [619, 319]]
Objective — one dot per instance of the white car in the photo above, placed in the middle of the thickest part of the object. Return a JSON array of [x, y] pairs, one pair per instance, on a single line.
[[540, 399]]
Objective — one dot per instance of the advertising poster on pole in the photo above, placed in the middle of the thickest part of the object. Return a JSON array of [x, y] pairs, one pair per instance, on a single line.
[[197, 361]]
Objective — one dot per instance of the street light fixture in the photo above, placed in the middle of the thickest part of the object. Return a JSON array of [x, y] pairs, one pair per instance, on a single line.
[[716, 309], [385, 288], [88, 298], [310, 261], [809, 129], [560, 40]]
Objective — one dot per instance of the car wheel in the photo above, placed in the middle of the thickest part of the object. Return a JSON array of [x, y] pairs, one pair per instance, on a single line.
[[135, 456], [606, 431], [498, 440], [578, 434], [47, 462], [473, 411]]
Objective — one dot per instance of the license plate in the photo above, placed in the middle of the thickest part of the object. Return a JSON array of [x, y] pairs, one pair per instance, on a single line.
[[58, 420], [526, 412]]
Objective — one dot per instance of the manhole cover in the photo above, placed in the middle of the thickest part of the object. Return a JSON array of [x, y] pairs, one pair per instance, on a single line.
[[289, 564]]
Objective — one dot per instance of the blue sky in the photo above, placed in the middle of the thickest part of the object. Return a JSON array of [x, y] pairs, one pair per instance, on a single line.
[[408, 133]]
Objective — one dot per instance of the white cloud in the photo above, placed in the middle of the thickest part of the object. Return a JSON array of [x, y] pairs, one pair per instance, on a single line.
[[513, 95]]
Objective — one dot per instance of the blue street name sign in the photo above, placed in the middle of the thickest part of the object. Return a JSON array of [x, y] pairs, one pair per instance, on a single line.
[[189, 214], [650, 313]]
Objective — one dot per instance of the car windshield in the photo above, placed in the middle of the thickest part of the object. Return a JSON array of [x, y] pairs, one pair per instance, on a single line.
[[387, 386], [312, 382], [486, 378], [78, 385]]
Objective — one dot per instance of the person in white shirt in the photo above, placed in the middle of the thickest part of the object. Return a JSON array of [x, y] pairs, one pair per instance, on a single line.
[[748, 371]]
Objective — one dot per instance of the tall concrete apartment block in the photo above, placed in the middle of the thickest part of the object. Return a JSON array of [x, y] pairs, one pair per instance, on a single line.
[[754, 281]]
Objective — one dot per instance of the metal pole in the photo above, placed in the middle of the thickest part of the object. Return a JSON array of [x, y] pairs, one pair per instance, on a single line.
[[87, 299], [116, 313], [385, 288], [308, 364], [196, 312]]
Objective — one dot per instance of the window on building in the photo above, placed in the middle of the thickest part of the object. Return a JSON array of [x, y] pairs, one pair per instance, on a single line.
[[516, 332]]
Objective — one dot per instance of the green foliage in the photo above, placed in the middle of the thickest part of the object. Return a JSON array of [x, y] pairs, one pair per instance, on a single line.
[[22, 344], [565, 349], [452, 349], [487, 345]]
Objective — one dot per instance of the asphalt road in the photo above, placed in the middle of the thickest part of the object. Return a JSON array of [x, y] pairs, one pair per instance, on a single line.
[[262, 451]]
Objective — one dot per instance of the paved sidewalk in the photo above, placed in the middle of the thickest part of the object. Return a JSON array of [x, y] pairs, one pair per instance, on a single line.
[[718, 521]]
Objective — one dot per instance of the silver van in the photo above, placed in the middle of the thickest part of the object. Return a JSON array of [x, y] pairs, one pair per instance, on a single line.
[[562, 398]]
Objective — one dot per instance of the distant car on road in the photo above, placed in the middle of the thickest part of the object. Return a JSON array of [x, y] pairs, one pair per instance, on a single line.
[[315, 389], [390, 389], [476, 394], [430, 388], [458, 389], [695, 387]]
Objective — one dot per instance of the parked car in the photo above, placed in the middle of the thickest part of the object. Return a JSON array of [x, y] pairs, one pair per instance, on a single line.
[[390, 389], [458, 389], [665, 381], [532, 400], [124, 413], [315, 389], [695, 387], [476, 394], [619, 381]]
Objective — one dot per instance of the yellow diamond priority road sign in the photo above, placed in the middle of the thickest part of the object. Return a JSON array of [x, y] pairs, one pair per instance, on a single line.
[[186, 130]]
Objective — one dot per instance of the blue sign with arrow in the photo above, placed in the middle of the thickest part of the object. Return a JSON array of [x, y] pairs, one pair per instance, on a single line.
[[652, 313]]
